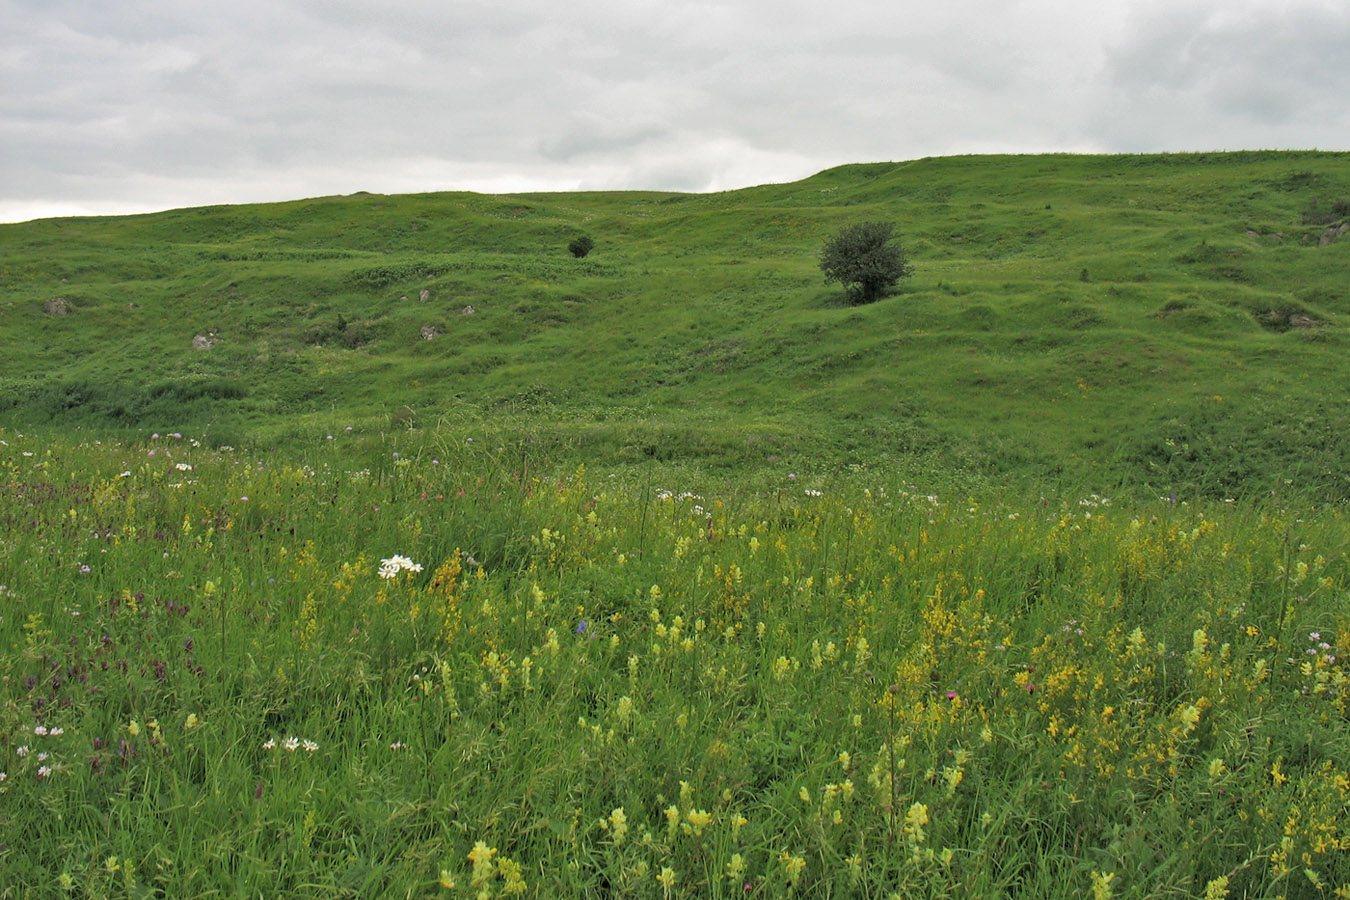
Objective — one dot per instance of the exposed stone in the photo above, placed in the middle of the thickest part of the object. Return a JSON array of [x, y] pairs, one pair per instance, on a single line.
[[57, 306], [428, 332], [204, 341], [424, 295], [467, 311], [1332, 232]]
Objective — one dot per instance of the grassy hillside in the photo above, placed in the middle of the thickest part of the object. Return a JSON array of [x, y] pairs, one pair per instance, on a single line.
[[1168, 321]]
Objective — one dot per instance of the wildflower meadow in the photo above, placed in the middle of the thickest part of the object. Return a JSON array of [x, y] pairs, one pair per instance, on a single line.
[[448, 670]]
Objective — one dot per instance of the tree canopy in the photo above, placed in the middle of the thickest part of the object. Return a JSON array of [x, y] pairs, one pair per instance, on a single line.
[[865, 259]]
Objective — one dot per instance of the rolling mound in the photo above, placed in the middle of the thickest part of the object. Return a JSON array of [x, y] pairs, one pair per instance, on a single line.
[[1171, 322]]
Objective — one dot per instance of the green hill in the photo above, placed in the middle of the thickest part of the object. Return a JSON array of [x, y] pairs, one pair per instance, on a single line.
[[1172, 322]]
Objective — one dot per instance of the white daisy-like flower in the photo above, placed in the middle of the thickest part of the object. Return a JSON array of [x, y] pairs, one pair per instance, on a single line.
[[309, 746], [389, 568], [291, 743], [269, 744]]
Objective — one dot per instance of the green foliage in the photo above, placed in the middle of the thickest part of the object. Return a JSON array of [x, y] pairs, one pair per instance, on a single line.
[[863, 257], [581, 247]]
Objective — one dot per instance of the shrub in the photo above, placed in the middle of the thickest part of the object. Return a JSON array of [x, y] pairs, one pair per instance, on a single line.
[[864, 258], [581, 246]]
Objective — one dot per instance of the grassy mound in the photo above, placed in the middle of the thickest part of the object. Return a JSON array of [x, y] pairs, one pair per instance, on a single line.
[[1172, 322]]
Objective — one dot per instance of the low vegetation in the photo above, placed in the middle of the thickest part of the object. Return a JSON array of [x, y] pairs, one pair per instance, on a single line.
[[365, 671]]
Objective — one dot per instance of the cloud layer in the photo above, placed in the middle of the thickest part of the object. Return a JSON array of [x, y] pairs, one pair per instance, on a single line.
[[148, 104]]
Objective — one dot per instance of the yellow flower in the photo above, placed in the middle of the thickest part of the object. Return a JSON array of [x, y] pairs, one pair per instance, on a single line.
[[481, 857], [699, 819], [1101, 885], [735, 867], [618, 822], [447, 880], [667, 877], [792, 865], [915, 819], [672, 814], [192, 721], [133, 729], [511, 875]]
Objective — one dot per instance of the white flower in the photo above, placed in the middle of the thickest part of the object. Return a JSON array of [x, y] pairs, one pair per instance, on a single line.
[[21, 752], [269, 744], [44, 771], [389, 568], [309, 746], [55, 731], [291, 743], [39, 730], [182, 467]]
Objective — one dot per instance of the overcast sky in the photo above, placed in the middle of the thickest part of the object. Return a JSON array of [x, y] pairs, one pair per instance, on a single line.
[[115, 106]]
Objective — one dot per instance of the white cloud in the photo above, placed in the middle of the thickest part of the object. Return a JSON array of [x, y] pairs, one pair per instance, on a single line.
[[151, 103]]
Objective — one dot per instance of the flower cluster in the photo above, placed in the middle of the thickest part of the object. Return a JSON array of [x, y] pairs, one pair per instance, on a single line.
[[291, 743], [389, 568]]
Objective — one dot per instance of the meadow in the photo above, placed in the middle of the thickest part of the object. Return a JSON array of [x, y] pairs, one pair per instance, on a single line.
[[383, 669]]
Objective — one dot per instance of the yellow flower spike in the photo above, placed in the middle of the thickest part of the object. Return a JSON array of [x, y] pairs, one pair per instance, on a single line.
[[667, 878], [481, 857], [1101, 885], [447, 880], [699, 819], [618, 823]]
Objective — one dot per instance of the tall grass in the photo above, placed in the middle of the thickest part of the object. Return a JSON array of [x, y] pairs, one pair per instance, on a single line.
[[628, 685]]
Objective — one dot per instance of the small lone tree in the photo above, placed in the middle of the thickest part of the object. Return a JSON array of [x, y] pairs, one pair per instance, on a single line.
[[581, 246], [863, 257]]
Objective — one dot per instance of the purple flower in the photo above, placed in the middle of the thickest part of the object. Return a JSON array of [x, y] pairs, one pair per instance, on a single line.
[[583, 626]]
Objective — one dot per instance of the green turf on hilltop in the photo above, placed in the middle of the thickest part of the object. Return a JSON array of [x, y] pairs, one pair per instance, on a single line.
[[1174, 322]]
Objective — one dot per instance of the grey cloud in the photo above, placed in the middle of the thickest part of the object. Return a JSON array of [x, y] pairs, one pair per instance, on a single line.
[[1221, 74], [172, 102]]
